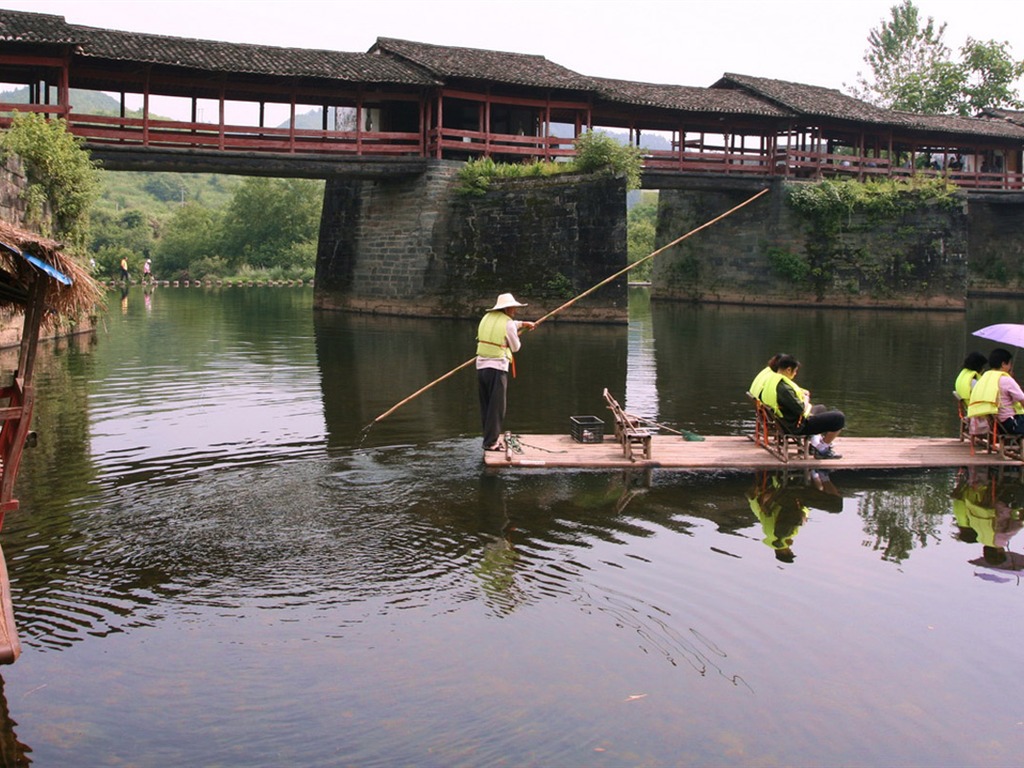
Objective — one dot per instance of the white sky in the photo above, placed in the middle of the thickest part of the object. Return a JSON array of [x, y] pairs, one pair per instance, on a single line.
[[685, 42]]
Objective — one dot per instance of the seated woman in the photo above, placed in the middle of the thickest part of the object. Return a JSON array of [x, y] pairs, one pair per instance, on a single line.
[[998, 393], [969, 374], [792, 408], [757, 385]]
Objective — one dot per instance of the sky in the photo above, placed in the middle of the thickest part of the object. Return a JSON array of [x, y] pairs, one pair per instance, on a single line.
[[680, 42]]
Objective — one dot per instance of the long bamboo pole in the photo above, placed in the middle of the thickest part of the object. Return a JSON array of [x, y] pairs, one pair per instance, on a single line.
[[572, 301]]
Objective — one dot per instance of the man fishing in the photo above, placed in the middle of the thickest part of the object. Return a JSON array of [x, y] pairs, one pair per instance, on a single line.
[[497, 339]]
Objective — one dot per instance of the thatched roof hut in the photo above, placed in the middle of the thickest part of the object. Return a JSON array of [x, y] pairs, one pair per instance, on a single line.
[[17, 274]]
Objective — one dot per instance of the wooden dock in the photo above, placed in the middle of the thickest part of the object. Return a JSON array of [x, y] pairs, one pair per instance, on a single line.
[[739, 452]]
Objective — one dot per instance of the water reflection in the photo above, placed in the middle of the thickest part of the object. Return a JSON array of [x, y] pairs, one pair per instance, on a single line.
[[199, 526], [987, 509], [13, 754], [780, 501]]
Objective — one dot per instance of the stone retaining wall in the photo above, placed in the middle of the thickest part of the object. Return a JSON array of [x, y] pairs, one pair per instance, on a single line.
[[916, 259]]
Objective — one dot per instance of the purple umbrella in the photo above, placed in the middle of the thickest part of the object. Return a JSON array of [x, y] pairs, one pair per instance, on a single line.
[[1004, 333]]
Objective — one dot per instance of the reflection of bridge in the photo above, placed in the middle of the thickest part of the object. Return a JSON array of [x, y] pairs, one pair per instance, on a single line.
[[385, 111]]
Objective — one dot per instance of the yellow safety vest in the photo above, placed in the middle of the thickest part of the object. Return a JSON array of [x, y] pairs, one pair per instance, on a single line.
[[757, 385], [770, 393], [963, 383], [490, 336], [985, 395]]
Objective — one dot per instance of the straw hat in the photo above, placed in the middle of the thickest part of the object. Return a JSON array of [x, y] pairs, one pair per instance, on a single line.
[[505, 301]]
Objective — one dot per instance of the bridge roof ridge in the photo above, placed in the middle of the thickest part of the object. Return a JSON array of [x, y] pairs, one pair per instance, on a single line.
[[688, 98], [819, 101], [212, 55], [447, 61]]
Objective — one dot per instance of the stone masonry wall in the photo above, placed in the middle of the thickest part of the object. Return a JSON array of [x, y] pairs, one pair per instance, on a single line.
[[913, 260], [12, 210], [996, 246], [417, 247]]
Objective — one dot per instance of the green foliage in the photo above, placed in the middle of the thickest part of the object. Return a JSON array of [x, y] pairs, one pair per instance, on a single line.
[[828, 206], [641, 226], [829, 202], [108, 261], [131, 230], [788, 265], [475, 176], [597, 151], [267, 218], [59, 170], [913, 68], [192, 234]]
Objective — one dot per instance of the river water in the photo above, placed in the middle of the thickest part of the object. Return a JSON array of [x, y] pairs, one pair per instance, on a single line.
[[214, 564]]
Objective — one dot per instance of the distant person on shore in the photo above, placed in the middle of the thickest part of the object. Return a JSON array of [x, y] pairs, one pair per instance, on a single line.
[[497, 339], [792, 407], [124, 269], [998, 393], [147, 274]]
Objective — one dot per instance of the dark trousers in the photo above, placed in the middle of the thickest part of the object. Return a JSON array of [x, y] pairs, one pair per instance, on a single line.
[[1013, 425], [493, 386]]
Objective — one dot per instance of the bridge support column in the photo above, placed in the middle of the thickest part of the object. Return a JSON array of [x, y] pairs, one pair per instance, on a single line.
[[415, 246]]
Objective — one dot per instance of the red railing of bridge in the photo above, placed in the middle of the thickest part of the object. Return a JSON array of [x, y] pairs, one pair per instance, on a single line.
[[449, 142]]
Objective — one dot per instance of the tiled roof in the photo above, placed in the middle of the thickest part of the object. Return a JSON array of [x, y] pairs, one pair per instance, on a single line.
[[810, 100], [447, 62], [687, 98], [35, 28], [1009, 115], [404, 62], [965, 126], [252, 59]]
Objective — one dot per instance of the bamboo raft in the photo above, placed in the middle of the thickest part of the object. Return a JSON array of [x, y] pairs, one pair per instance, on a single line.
[[738, 452]]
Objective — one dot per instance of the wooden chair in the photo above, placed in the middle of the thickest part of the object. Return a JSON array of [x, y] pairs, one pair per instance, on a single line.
[[629, 430], [783, 444], [965, 423], [992, 438], [762, 420]]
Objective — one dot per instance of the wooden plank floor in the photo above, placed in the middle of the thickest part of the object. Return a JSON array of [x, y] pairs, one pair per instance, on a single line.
[[739, 452]]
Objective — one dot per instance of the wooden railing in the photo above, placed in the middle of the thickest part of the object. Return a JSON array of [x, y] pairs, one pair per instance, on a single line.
[[110, 131], [133, 131]]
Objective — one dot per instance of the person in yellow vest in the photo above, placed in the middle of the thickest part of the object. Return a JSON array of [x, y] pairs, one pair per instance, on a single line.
[[757, 385], [497, 339], [124, 269], [969, 374], [996, 392], [791, 406]]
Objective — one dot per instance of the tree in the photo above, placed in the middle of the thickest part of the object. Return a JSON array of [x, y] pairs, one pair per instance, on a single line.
[[267, 218], [641, 226], [192, 234], [60, 173], [989, 72], [913, 69]]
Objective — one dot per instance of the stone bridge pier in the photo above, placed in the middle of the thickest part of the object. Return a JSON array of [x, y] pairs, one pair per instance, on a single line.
[[419, 245]]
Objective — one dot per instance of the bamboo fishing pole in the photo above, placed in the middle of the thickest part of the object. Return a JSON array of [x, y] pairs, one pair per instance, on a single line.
[[572, 301]]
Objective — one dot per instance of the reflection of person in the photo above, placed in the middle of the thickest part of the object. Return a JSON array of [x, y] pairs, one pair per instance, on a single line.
[[969, 374], [781, 513], [993, 520], [996, 392], [791, 405], [497, 339]]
